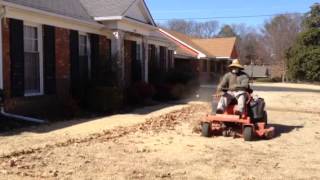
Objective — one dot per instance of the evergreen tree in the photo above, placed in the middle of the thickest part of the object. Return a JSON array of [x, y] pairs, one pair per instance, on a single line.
[[304, 56]]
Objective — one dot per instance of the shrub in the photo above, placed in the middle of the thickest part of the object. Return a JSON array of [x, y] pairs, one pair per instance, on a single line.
[[178, 91], [177, 76], [139, 92], [69, 107], [193, 85], [163, 92], [177, 84], [105, 99]]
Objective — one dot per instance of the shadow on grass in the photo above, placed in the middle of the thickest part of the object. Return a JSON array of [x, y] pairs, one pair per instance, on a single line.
[[281, 129], [11, 127]]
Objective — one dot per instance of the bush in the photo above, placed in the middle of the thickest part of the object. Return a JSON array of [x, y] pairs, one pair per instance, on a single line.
[[177, 84], [177, 76], [105, 99], [193, 85], [139, 92], [304, 63], [178, 91], [163, 92]]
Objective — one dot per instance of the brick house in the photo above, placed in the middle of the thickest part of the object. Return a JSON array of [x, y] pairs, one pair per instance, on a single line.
[[52, 50], [208, 58]]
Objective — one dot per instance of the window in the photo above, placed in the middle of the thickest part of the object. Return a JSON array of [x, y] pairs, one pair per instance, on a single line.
[[33, 64], [84, 56]]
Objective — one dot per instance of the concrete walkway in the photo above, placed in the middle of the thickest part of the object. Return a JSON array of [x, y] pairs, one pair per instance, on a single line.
[[40, 136]]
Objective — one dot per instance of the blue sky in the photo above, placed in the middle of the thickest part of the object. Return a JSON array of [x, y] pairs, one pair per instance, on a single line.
[[168, 9]]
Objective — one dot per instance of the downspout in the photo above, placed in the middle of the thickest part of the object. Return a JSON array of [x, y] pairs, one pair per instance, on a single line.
[[9, 115]]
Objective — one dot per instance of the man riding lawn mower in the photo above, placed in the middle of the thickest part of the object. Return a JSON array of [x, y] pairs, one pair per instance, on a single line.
[[237, 114]]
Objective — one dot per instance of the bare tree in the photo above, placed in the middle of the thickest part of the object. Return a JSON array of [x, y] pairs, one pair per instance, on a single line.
[[180, 26], [206, 29], [227, 31], [247, 47], [267, 45], [279, 35]]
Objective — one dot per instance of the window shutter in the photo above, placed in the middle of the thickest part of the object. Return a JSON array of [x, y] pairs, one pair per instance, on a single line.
[[17, 57], [95, 59], [74, 60], [49, 59]]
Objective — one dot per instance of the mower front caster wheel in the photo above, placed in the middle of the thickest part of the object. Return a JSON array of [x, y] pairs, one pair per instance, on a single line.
[[248, 133], [206, 130]]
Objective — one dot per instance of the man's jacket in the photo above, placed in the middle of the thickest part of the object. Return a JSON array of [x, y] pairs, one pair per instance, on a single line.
[[234, 82]]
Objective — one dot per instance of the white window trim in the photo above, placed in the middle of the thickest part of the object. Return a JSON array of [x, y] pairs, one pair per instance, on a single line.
[[40, 46], [88, 51]]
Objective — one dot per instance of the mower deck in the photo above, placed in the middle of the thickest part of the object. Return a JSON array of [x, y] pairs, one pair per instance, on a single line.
[[234, 126], [226, 118]]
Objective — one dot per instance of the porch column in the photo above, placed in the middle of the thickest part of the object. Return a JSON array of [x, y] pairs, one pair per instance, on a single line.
[[145, 59], [117, 53], [158, 55]]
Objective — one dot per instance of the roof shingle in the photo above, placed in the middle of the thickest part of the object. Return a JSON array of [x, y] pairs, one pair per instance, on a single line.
[[70, 8], [213, 47], [217, 47]]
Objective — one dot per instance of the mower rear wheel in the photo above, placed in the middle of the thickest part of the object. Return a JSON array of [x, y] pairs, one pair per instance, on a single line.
[[248, 133], [206, 129]]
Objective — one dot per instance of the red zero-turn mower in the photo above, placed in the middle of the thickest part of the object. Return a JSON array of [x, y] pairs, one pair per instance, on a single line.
[[252, 124]]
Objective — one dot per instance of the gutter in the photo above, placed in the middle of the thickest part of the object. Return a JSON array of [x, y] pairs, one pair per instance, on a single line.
[[2, 112], [22, 118], [200, 54]]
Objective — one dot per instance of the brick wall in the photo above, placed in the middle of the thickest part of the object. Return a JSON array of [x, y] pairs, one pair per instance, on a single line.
[[62, 62], [46, 105], [60, 104]]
